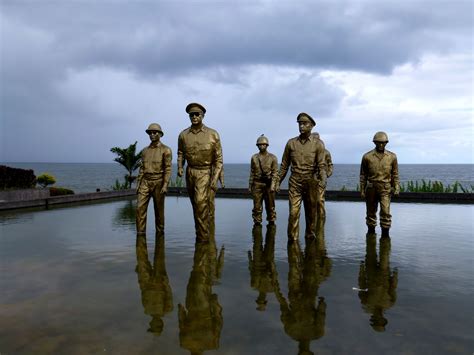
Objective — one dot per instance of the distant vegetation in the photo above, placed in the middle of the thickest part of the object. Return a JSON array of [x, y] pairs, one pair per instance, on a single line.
[[435, 186], [429, 186], [130, 160], [178, 182], [14, 178], [60, 191], [45, 179], [120, 186]]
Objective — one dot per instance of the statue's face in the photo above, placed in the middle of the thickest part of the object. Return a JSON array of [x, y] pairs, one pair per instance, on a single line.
[[262, 148], [305, 127], [154, 136], [196, 117], [380, 146]]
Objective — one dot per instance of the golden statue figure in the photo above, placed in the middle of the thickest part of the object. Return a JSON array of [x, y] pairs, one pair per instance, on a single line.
[[200, 147], [156, 294], [263, 272], [378, 284], [306, 156], [262, 181], [153, 178], [200, 320], [302, 316], [321, 190], [378, 180]]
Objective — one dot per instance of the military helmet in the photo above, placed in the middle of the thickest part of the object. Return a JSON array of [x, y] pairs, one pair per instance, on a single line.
[[380, 137], [154, 127], [262, 140]]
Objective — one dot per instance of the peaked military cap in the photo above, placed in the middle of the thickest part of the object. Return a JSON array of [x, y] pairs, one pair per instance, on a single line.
[[304, 116], [194, 106]]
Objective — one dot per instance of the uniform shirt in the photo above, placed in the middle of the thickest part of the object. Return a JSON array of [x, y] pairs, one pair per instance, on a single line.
[[305, 156], [201, 148], [379, 167], [268, 162], [156, 160]]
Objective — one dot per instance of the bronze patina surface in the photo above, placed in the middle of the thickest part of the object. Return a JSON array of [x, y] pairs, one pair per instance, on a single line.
[[379, 179], [320, 189], [200, 147], [262, 181], [153, 178], [305, 154]]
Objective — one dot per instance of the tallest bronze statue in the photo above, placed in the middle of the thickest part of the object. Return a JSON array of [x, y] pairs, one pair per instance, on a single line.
[[200, 147]]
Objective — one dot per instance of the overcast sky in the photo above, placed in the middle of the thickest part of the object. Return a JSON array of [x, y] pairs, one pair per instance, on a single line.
[[79, 77]]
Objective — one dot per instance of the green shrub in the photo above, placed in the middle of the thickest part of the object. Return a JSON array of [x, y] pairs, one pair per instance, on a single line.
[[60, 191], [119, 186], [13, 178], [178, 182], [46, 179]]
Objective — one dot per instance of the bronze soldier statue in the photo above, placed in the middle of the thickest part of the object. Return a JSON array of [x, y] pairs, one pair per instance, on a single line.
[[305, 154], [153, 178], [200, 147], [378, 180], [262, 181], [320, 190]]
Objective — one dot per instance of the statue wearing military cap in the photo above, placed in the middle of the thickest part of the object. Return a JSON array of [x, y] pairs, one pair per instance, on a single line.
[[200, 147], [262, 182], [305, 154], [378, 180], [153, 178]]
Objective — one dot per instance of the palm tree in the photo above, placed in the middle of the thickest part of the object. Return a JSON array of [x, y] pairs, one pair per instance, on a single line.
[[128, 158]]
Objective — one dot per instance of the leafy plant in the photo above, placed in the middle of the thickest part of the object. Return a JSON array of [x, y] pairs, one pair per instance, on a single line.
[[129, 159], [178, 182], [119, 186], [46, 179], [60, 191]]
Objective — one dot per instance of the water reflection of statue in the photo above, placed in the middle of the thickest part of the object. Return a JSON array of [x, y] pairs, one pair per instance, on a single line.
[[157, 297], [303, 319], [263, 273], [200, 321], [379, 281]]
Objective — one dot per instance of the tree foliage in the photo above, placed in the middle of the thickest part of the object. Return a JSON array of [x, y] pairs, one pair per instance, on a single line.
[[46, 179], [129, 159]]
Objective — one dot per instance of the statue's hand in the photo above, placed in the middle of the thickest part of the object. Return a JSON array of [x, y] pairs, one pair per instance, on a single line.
[[164, 189], [214, 186], [277, 188], [396, 191], [362, 195], [180, 172]]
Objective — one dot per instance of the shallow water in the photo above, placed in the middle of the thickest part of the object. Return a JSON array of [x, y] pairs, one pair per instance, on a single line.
[[76, 280]]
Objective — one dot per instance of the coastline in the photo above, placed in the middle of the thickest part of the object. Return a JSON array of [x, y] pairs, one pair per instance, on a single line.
[[405, 197]]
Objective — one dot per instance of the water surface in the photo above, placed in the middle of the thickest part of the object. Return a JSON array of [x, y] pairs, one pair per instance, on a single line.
[[77, 280]]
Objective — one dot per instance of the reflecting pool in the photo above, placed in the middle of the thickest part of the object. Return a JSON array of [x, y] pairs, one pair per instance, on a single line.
[[77, 280]]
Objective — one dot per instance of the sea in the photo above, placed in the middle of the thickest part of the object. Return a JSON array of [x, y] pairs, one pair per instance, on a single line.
[[88, 177]]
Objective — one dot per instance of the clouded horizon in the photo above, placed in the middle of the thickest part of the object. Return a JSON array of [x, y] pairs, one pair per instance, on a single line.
[[80, 77]]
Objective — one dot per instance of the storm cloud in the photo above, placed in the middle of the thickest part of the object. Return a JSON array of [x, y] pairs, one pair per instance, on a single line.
[[81, 71]]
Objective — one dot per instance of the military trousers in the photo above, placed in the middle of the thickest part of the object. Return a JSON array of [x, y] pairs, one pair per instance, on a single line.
[[198, 184], [375, 194], [150, 188], [320, 200], [301, 189], [260, 193]]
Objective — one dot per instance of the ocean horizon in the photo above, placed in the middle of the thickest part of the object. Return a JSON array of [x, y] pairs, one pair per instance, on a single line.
[[87, 177]]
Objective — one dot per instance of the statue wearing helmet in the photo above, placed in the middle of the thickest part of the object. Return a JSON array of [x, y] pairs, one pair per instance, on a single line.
[[262, 181], [153, 178], [378, 180]]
